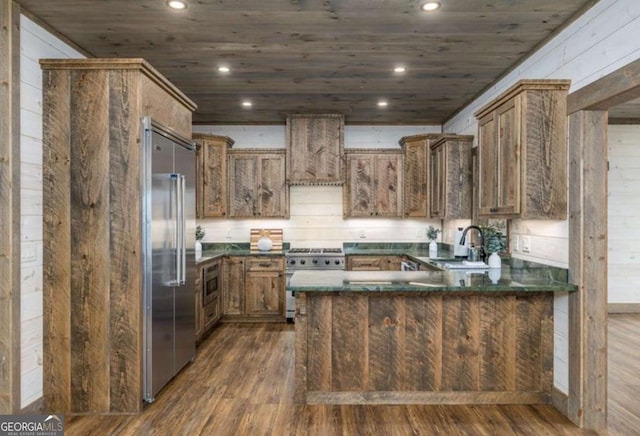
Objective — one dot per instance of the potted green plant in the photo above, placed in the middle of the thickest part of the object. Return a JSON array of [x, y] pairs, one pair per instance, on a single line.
[[199, 236], [432, 235], [493, 244]]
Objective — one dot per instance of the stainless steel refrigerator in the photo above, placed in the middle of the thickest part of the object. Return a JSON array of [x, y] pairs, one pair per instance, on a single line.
[[168, 183]]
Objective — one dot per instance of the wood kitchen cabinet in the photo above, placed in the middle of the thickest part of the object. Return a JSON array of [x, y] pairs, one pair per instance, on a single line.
[[450, 184], [233, 286], [373, 263], [254, 289], [522, 155], [93, 230], [265, 286], [199, 311], [211, 173], [416, 174], [315, 149], [257, 187], [374, 183]]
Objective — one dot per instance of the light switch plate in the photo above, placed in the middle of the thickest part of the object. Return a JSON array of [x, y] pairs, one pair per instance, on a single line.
[[526, 244]]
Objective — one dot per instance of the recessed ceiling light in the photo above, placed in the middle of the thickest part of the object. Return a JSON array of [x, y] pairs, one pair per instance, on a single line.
[[383, 103], [224, 69], [247, 103], [400, 69], [177, 4], [429, 6]]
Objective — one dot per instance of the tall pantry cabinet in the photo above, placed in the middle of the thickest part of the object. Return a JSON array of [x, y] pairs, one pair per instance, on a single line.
[[92, 282]]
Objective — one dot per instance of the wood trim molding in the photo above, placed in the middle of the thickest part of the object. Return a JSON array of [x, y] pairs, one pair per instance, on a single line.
[[10, 207], [559, 400], [587, 400], [623, 307], [621, 86]]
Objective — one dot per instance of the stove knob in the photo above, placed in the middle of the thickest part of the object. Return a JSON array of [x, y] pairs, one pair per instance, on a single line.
[[292, 262], [302, 262], [337, 262], [315, 261], [326, 262]]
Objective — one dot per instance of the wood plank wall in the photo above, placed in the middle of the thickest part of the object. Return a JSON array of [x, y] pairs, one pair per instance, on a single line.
[[428, 348], [9, 207]]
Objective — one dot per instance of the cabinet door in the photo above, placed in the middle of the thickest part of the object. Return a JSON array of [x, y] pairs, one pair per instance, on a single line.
[[212, 169], [438, 182], [264, 293], [359, 192], [315, 148], [272, 199], [508, 149], [391, 263], [243, 185], [487, 166], [415, 179], [388, 185], [233, 288]]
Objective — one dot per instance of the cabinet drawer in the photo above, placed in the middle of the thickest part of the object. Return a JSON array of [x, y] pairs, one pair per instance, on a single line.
[[364, 263], [265, 264]]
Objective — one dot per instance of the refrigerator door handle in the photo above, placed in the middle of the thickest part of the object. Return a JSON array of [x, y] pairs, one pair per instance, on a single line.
[[177, 233], [183, 231]]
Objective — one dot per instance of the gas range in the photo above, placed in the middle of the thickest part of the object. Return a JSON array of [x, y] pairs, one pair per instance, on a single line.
[[315, 259], [309, 259]]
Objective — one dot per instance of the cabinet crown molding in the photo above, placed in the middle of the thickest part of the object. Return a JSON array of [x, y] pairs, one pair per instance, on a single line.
[[524, 85]]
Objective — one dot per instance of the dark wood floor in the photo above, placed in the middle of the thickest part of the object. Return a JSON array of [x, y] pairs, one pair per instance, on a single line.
[[242, 384]]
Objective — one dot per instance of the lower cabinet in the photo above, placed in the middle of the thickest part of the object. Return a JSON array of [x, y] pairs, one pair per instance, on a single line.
[[254, 289], [374, 263], [206, 314]]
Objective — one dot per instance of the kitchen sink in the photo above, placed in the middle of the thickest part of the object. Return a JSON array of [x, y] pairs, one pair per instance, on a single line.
[[449, 264]]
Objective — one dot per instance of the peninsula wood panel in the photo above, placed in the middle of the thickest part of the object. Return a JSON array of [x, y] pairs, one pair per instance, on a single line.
[[431, 348], [92, 231], [315, 149], [10, 287]]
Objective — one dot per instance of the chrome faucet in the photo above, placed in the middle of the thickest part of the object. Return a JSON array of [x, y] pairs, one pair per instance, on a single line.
[[481, 249]]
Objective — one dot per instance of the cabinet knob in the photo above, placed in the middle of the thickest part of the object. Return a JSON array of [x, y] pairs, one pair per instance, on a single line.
[[493, 210]]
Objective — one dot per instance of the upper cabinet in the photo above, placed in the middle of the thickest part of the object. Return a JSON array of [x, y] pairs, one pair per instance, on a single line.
[[522, 154], [257, 187], [450, 179], [211, 187], [374, 183], [315, 149], [416, 174]]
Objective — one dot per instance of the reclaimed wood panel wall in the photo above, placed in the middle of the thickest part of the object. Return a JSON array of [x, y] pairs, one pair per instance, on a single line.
[[92, 233], [437, 348], [9, 207]]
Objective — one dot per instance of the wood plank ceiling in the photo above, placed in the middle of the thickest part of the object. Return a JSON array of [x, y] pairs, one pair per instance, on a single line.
[[314, 56]]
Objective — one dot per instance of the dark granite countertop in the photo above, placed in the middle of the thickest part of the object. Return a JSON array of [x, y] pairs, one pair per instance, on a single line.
[[516, 275]]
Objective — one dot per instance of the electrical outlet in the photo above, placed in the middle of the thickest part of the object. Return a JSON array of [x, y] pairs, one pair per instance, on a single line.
[[526, 244], [363, 235], [516, 243]]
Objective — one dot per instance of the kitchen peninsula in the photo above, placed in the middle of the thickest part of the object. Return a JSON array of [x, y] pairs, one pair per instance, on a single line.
[[426, 337]]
